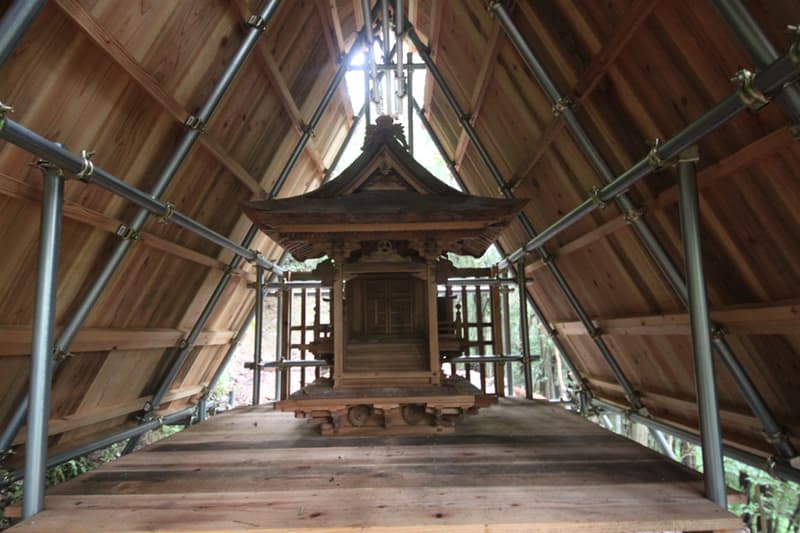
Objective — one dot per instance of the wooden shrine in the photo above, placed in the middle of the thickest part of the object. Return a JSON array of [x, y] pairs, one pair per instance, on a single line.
[[385, 224]]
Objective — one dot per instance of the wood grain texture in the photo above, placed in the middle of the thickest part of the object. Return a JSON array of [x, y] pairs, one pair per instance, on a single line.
[[516, 467]]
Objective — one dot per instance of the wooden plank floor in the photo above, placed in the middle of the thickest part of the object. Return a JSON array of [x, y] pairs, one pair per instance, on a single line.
[[518, 466]]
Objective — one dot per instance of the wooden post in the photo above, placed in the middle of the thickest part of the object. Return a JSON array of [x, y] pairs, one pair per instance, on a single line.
[[433, 324], [337, 312], [497, 340]]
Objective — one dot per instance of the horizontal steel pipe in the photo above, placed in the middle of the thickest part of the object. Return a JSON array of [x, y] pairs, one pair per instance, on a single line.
[[490, 359], [292, 363], [768, 81], [63, 158], [84, 449], [780, 469]]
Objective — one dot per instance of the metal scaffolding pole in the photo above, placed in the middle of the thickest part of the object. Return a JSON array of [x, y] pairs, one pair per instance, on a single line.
[[347, 138], [765, 53], [17, 19], [505, 312], [531, 302], [281, 301], [766, 83], [661, 440], [231, 350], [130, 231], [464, 120], [259, 311], [780, 469], [83, 449], [524, 332], [187, 345], [43, 333], [759, 48], [410, 102], [708, 407]]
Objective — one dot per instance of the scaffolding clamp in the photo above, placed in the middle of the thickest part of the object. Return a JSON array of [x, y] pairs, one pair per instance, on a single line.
[[61, 355], [794, 50], [491, 5], [3, 110], [635, 214], [652, 156], [562, 105], [195, 123], [596, 333], [594, 195], [44, 165], [169, 210], [88, 167], [183, 344], [718, 332], [257, 22], [753, 98], [127, 233]]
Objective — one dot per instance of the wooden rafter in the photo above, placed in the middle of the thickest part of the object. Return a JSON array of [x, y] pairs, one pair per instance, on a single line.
[[636, 15], [15, 188], [278, 83], [437, 9], [762, 319], [706, 178], [479, 92], [117, 52]]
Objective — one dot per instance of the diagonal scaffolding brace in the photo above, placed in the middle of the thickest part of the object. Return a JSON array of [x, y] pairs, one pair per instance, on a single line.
[[640, 226], [631, 394]]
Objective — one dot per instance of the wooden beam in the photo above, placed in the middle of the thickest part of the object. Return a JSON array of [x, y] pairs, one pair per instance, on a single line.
[[16, 340], [108, 43], [706, 178], [437, 8], [15, 188], [634, 17], [337, 24], [57, 426], [479, 91], [684, 405], [761, 319]]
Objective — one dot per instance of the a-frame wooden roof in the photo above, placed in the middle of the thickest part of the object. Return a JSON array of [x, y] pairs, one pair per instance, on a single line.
[[121, 78]]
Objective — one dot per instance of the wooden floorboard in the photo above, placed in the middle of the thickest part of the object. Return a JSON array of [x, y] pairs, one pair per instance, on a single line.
[[518, 466]]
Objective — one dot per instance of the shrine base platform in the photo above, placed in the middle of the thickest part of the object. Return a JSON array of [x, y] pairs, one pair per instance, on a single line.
[[516, 467]]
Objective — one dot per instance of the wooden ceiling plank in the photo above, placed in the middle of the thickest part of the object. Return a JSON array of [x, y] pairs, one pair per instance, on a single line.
[[636, 15], [105, 41], [706, 178]]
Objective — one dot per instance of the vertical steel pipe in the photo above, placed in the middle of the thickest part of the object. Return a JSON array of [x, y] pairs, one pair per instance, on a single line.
[[524, 331], [505, 312], [410, 103], [81, 312], [370, 45], [43, 333], [399, 28], [258, 336], [279, 340], [387, 58], [763, 53], [367, 90], [710, 434], [17, 19]]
